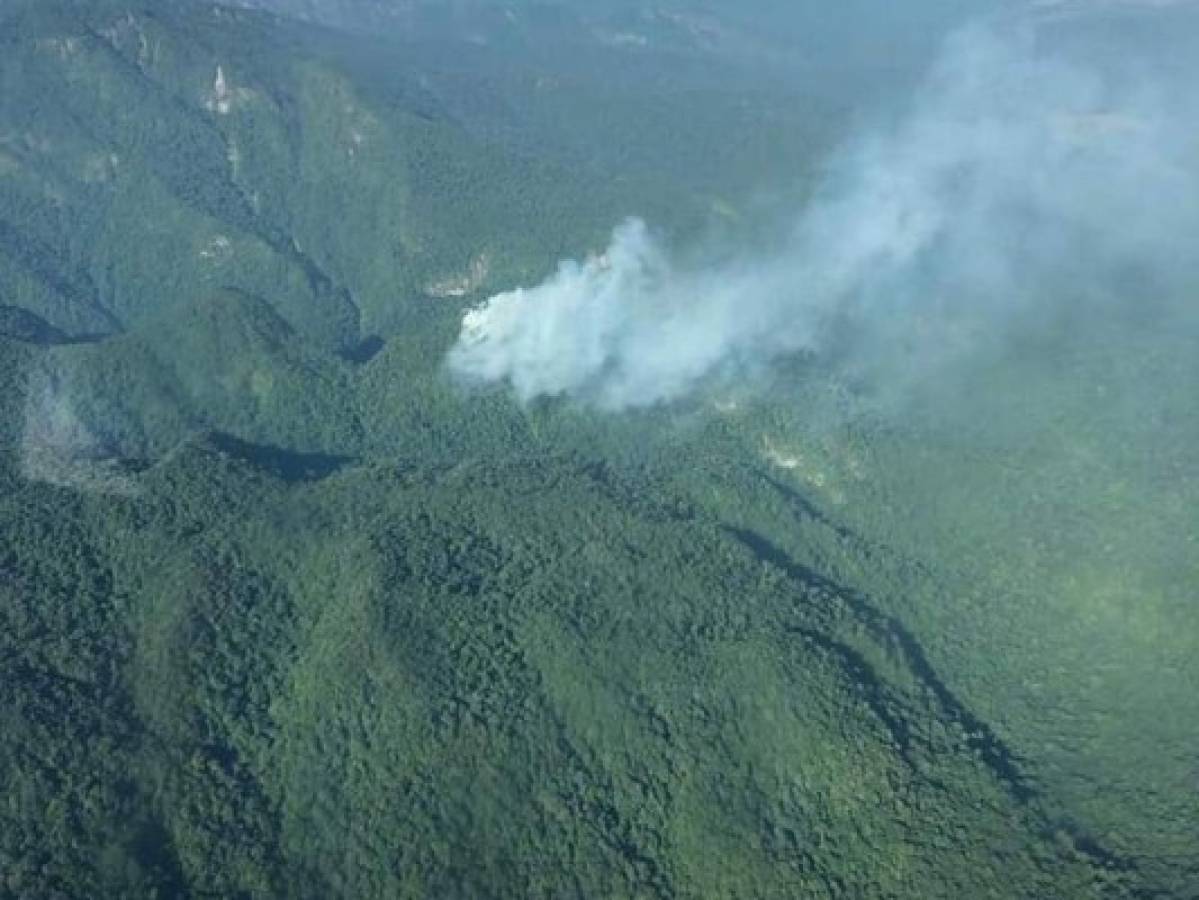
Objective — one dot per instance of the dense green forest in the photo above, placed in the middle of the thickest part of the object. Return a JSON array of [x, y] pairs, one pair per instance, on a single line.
[[285, 611]]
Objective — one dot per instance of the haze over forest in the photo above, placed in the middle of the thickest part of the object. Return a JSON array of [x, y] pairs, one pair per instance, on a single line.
[[456, 448]]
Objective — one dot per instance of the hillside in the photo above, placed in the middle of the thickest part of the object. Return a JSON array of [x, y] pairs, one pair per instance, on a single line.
[[383, 683], [287, 610]]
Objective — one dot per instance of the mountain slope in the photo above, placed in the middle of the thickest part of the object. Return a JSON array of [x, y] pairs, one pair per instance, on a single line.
[[591, 692], [177, 148], [287, 612]]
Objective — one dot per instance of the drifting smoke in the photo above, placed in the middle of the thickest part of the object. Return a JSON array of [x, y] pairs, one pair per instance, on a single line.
[[58, 448], [1023, 187]]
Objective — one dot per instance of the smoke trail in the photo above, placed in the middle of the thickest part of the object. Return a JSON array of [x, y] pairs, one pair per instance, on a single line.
[[623, 329], [1025, 185], [58, 448]]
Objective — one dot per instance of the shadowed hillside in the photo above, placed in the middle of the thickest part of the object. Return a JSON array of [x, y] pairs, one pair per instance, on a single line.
[[288, 608]]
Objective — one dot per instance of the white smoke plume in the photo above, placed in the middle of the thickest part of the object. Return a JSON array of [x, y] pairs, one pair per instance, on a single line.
[[1028, 182], [58, 448]]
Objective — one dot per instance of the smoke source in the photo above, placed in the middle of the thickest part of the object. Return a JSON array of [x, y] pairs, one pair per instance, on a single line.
[[1031, 181]]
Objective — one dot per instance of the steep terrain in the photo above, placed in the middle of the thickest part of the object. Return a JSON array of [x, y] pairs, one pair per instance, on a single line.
[[399, 681], [287, 612]]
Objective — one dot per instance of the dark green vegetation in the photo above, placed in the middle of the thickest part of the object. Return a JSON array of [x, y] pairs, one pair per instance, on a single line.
[[284, 613]]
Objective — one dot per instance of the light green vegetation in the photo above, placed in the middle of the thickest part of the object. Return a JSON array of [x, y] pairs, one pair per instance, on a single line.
[[285, 612]]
